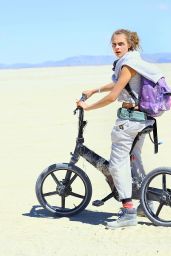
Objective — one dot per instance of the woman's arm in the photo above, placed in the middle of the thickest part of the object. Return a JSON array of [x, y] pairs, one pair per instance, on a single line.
[[126, 74], [104, 88]]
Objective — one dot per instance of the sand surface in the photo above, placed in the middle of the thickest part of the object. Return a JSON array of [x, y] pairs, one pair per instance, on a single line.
[[38, 128]]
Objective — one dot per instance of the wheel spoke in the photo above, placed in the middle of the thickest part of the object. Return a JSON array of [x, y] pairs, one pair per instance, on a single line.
[[50, 193], [55, 178], [76, 195], [154, 191], [164, 182], [159, 208], [154, 194], [63, 201]]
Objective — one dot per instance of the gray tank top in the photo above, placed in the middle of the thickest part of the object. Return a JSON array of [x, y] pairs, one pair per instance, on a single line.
[[134, 83]]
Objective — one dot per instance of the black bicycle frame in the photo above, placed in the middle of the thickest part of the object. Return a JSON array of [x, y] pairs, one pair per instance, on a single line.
[[81, 150], [102, 164]]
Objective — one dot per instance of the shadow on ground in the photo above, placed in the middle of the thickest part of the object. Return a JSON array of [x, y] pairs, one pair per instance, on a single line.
[[38, 211], [86, 216]]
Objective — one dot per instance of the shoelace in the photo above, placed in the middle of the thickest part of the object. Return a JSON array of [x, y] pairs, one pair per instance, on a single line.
[[121, 213]]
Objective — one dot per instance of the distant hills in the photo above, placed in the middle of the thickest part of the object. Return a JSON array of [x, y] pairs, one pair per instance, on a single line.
[[85, 60], [158, 57]]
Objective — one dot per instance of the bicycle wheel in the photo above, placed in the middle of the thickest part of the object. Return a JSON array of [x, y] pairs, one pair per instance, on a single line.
[[63, 189], [156, 187]]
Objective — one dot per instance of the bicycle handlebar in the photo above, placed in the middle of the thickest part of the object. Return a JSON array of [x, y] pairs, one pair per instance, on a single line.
[[83, 98]]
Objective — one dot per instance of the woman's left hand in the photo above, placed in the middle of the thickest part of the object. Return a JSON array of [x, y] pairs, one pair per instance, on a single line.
[[82, 104]]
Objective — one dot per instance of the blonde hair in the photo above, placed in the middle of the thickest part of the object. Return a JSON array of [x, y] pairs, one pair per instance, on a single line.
[[132, 38]]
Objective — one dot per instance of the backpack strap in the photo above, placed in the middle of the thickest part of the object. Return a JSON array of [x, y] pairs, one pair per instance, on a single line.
[[129, 90], [155, 135], [146, 130]]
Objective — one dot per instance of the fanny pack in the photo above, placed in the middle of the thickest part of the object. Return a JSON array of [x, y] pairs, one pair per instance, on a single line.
[[132, 115]]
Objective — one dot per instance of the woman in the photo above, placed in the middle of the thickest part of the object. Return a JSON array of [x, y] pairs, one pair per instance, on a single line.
[[128, 69]]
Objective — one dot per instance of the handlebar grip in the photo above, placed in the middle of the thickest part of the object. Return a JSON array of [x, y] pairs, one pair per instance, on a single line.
[[83, 97]]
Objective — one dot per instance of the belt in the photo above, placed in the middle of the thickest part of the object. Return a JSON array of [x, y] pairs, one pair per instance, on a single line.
[[129, 105]]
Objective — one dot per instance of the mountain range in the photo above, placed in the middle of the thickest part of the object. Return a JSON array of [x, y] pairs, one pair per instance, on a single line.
[[87, 60]]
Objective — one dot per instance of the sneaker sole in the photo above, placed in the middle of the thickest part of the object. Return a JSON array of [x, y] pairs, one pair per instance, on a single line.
[[127, 224]]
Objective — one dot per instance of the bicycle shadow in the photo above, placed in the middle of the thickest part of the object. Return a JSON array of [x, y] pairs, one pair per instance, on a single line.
[[93, 217], [37, 211], [86, 216]]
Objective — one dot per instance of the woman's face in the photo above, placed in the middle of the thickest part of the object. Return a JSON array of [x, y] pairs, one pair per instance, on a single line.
[[120, 45]]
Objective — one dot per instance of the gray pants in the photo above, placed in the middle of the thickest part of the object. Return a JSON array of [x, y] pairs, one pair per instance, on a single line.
[[123, 135]]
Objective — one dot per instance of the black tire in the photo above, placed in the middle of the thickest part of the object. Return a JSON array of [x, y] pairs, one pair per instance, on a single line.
[[156, 187], [63, 189]]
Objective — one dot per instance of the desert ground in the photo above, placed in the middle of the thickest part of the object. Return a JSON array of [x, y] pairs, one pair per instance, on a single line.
[[38, 129]]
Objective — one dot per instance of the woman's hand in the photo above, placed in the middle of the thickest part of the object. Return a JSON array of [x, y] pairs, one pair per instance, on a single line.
[[82, 104], [88, 93]]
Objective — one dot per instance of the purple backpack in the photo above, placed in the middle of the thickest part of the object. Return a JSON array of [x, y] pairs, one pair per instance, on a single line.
[[155, 98]]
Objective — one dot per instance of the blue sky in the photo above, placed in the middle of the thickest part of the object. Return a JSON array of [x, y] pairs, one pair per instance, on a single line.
[[34, 31]]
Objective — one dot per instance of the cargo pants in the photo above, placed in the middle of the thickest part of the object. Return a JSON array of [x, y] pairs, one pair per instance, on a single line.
[[123, 135]]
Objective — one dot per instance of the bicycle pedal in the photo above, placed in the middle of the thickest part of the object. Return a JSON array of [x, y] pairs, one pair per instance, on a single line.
[[97, 203]]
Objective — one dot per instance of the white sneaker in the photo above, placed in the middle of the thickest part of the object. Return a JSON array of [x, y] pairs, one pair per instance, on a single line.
[[127, 217]]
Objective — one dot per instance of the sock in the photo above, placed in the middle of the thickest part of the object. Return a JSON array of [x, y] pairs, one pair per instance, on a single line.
[[127, 204]]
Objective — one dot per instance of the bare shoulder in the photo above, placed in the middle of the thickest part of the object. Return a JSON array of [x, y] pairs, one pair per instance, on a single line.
[[126, 68]]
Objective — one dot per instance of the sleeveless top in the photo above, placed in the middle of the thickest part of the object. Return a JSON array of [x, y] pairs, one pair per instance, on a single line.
[[134, 84]]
